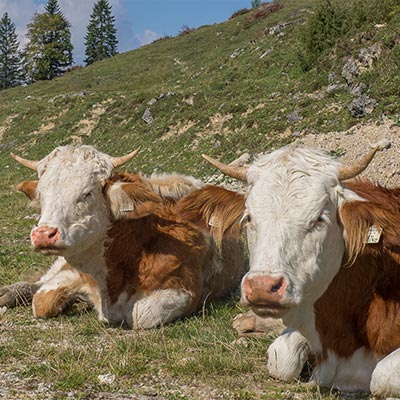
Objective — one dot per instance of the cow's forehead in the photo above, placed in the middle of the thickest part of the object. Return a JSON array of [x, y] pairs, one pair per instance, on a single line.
[[291, 179], [83, 162]]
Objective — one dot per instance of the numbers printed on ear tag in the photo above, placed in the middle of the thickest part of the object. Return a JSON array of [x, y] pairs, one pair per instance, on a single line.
[[374, 235]]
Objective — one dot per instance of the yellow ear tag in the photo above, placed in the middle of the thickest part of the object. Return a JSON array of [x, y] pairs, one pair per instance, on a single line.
[[374, 235]]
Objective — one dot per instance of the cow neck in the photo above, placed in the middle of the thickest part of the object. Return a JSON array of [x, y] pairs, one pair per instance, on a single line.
[[128, 239], [91, 261], [303, 320]]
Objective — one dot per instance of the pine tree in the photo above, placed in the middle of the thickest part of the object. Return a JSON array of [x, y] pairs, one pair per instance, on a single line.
[[49, 49], [101, 39], [10, 57]]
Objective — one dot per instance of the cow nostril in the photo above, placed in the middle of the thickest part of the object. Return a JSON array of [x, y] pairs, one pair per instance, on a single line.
[[53, 233], [275, 288]]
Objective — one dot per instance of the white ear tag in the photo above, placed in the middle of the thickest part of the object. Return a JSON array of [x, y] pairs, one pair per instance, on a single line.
[[374, 234], [213, 221], [127, 209]]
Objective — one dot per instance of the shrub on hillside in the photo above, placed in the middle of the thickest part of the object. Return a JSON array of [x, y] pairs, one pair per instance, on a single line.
[[264, 10], [333, 19], [185, 30], [237, 13]]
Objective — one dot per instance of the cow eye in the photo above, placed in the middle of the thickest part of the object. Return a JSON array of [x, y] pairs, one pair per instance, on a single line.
[[320, 221]]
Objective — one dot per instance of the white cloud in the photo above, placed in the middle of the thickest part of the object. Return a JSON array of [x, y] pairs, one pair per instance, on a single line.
[[147, 37]]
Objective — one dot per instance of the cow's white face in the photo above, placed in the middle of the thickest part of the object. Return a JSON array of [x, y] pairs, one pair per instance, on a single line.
[[292, 211], [74, 213]]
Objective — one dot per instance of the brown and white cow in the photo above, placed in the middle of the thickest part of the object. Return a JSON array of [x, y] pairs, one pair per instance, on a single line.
[[326, 259], [122, 240]]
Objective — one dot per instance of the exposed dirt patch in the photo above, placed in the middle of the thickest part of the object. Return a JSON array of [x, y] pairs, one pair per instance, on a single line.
[[177, 130], [7, 123], [87, 125], [351, 144]]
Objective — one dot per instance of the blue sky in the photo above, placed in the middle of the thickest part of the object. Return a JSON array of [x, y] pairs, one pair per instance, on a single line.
[[138, 22]]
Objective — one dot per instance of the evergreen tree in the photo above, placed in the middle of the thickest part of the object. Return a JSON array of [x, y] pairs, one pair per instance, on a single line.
[[10, 57], [49, 49], [101, 39]]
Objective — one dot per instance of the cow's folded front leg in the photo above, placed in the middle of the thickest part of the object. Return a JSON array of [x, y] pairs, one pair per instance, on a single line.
[[385, 379], [161, 307], [63, 289], [287, 355]]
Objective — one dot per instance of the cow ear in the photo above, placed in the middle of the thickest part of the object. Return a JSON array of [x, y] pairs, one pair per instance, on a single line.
[[131, 200], [28, 188], [363, 219], [213, 209]]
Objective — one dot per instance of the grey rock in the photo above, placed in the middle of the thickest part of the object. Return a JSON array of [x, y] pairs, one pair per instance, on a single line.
[[147, 116], [335, 87], [331, 77], [266, 53], [350, 70], [294, 116], [368, 55], [361, 106], [358, 89]]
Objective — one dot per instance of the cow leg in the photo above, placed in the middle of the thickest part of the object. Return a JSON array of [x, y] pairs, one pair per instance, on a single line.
[[161, 307], [17, 294], [63, 286], [385, 380], [286, 355], [21, 293]]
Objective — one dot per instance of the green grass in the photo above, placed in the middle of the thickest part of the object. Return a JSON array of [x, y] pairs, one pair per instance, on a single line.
[[240, 103]]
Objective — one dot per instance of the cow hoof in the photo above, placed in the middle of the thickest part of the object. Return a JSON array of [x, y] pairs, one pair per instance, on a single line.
[[249, 324], [17, 294]]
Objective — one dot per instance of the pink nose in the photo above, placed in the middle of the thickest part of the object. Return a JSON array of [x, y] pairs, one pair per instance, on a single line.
[[264, 290], [44, 236]]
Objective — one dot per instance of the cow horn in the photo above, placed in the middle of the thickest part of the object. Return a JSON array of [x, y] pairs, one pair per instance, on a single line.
[[118, 161], [32, 164], [234, 172], [352, 170]]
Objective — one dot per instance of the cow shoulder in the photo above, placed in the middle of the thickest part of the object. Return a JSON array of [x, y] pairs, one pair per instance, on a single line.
[[174, 186], [131, 196]]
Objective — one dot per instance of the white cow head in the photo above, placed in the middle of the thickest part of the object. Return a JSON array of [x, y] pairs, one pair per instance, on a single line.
[[292, 214], [74, 211]]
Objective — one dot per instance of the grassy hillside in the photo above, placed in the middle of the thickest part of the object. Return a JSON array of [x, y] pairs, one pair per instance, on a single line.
[[244, 85]]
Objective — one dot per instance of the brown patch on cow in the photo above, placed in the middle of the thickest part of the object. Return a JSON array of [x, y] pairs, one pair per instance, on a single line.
[[28, 188], [158, 249], [50, 303], [361, 307]]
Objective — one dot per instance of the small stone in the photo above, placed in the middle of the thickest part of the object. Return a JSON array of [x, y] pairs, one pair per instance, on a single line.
[[106, 379], [242, 341], [147, 116]]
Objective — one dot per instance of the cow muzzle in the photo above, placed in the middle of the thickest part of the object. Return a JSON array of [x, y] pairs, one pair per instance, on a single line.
[[45, 239], [265, 294]]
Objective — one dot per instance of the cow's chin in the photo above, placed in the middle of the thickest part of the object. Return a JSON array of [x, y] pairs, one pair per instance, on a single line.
[[50, 251], [270, 312]]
